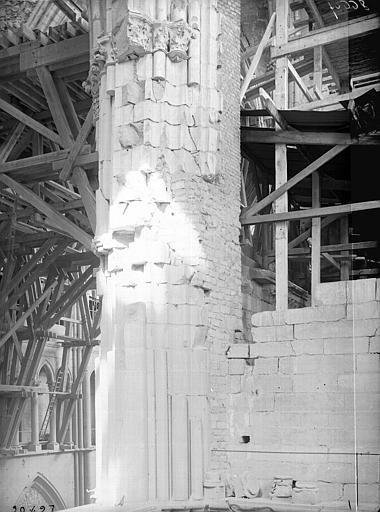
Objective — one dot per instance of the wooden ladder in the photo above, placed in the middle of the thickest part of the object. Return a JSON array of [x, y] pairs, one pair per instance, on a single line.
[[52, 400]]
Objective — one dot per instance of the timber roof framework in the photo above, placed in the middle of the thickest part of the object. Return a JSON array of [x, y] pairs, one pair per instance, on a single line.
[[309, 120], [48, 177]]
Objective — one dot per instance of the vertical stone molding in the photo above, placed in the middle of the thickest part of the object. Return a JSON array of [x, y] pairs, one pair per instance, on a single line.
[[170, 265]]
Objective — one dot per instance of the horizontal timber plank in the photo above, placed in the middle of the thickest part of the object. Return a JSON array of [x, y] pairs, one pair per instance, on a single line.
[[14, 388], [307, 171], [267, 136], [335, 99], [355, 246], [53, 53], [311, 213], [328, 35], [54, 161]]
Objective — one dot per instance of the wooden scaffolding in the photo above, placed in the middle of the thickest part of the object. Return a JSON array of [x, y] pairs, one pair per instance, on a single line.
[[48, 177], [307, 124]]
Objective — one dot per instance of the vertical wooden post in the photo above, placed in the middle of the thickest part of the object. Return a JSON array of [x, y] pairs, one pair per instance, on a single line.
[[345, 264], [52, 444], [316, 201], [281, 204], [318, 67], [316, 239]]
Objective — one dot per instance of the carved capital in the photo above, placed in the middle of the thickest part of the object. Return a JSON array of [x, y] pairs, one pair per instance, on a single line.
[[91, 85], [138, 35], [180, 34], [133, 36], [13, 13], [160, 37]]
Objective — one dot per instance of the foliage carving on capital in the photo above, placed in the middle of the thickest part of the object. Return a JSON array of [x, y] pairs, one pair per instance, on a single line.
[[180, 34], [160, 37], [137, 35], [92, 84], [13, 13]]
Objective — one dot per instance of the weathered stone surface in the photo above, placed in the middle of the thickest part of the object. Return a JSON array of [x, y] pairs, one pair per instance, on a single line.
[[361, 290], [270, 349], [331, 293], [363, 310], [330, 313], [275, 333]]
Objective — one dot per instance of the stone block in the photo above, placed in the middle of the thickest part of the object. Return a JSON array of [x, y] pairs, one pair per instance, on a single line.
[[311, 383], [235, 384], [238, 350], [273, 384], [363, 310], [236, 366], [363, 382], [307, 346], [361, 290], [341, 328], [374, 344], [368, 493], [286, 364], [275, 333], [368, 363], [329, 491], [330, 313], [323, 364], [270, 349], [331, 293], [132, 92], [264, 402], [266, 366], [268, 318], [345, 345]]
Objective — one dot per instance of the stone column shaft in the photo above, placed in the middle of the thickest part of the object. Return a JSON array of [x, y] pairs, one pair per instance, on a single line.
[[154, 83]]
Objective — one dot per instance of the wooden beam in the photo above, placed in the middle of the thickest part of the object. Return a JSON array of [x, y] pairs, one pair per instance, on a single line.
[[27, 313], [305, 235], [53, 161], [328, 35], [314, 166], [28, 267], [28, 121], [335, 99], [74, 390], [256, 59], [272, 109], [68, 105], [55, 105], [301, 84], [325, 55], [334, 248], [281, 166], [34, 200], [294, 138], [80, 179], [11, 141], [76, 148], [51, 54], [315, 240], [14, 388], [312, 212], [345, 265]]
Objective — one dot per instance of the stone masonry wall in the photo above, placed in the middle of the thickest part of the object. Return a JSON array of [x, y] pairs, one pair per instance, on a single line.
[[292, 392], [224, 209]]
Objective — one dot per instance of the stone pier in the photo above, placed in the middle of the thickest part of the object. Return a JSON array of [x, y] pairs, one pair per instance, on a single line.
[[167, 117]]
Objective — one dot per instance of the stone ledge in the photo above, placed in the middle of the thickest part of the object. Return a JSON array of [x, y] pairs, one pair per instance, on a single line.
[[241, 504]]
